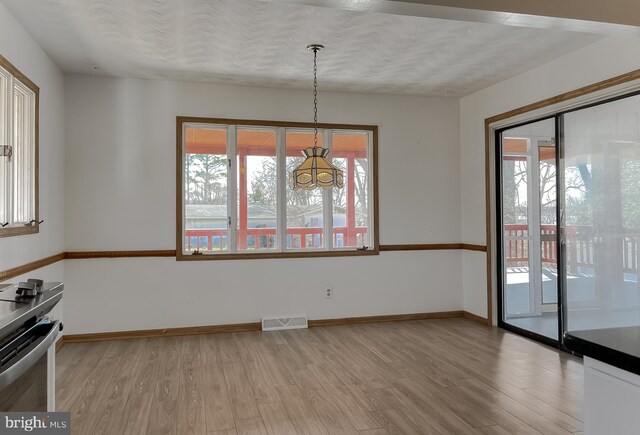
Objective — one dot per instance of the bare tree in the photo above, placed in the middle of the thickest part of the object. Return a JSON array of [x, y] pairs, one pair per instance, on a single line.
[[206, 179]]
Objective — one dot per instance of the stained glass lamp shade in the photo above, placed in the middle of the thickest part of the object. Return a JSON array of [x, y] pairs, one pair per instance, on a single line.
[[317, 171]]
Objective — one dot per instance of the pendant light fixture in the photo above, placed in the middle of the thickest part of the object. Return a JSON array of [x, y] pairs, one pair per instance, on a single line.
[[316, 170]]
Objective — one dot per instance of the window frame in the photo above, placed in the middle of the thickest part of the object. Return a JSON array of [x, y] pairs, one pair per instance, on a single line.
[[16, 75], [280, 127]]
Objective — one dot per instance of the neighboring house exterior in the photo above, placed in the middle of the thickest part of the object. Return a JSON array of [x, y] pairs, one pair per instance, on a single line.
[[205, 216]]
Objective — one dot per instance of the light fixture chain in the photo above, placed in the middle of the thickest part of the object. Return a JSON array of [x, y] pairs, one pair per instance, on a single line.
[[315, 98], [316, 170]]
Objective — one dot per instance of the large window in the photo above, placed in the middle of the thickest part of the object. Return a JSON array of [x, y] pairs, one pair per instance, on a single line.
[[235, 197], [18, 152]]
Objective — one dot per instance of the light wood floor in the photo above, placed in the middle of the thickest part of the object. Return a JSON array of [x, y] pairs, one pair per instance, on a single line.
[[446, 376]]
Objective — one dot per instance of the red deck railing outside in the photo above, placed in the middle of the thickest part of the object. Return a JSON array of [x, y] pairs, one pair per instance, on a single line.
[[580, 242], [265, 238]]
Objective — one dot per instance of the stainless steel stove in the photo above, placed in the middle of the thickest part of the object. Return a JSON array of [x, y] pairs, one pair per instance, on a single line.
[[27, 354]]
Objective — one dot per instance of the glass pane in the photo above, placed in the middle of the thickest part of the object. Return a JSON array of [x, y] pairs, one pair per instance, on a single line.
[[351, 203], [4, 140], [602, 215], [530, 299], [548, 226], [23, 153], [257, 189], [516, 236], [205, 194], [305, 212]]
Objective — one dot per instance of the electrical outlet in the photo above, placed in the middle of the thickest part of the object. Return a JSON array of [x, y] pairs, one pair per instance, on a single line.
[[328, 293]]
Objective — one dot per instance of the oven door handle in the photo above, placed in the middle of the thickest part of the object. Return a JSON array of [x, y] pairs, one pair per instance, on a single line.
[[27, 361]]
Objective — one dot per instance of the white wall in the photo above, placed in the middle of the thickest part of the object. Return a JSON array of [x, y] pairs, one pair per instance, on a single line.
[[599, 61], [148, 293], [120, 187], [21, 50]]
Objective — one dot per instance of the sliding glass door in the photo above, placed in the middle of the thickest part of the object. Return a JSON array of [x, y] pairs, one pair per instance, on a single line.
[[585, 161], [601, 223], [529, 296]]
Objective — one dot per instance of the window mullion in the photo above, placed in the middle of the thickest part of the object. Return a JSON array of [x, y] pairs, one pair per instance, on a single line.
[[10, 166], [371, 206], [327, 139], [32, 159], [4, 140], [232, 188], [184, 186], [281, 186]]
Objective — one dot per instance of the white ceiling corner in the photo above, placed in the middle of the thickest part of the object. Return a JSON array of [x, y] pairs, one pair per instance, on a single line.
[[259, 43]]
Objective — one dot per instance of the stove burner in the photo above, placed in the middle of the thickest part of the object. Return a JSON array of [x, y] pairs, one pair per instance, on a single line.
[[27, 290]]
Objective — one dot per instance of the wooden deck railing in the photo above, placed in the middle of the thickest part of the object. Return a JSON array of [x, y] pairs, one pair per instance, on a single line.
[[265, 238], [580, 242], [517, 250]]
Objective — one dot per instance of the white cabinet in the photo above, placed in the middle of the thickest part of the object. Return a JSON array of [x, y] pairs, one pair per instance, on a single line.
[[611, 400]]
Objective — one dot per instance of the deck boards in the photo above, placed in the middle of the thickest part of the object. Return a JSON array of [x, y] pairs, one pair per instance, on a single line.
[[441, 376]]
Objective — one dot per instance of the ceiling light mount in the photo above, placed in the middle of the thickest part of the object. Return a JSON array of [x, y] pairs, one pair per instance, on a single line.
[[316, 170]]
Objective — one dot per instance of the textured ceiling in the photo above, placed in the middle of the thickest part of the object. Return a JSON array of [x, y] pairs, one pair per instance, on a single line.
[[252, 42]]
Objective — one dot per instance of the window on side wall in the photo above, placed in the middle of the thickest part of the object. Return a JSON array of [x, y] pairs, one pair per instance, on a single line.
[[235, 198], [18, 152]]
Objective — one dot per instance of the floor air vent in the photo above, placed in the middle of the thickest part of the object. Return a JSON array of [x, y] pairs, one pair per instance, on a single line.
[[279, 323]]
